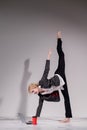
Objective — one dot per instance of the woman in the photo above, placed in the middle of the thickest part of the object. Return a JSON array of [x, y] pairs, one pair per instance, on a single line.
[[48, 86]]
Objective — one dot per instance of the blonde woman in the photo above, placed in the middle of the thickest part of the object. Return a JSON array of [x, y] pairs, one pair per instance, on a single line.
[[47, 89]]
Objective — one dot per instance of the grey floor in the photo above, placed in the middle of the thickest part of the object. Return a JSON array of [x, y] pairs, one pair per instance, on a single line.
[[44, 124]]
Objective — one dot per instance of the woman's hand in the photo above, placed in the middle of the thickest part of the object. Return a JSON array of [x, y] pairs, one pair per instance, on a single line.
[[49, 54]]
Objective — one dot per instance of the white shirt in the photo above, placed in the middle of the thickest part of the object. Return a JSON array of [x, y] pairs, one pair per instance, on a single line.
[[54, 88]]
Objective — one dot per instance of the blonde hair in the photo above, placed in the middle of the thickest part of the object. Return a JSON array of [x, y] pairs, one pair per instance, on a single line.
[[32, 86]]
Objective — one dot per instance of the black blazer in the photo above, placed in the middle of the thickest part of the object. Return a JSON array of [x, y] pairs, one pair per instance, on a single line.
[[45, 82]]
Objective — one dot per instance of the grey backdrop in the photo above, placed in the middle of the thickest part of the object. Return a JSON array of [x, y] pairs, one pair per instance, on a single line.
[[27, 30]]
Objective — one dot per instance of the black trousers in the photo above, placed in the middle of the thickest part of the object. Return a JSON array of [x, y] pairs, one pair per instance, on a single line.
[[61, 71]]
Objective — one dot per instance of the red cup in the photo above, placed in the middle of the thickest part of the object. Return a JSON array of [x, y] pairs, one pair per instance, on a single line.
[[34, 120]]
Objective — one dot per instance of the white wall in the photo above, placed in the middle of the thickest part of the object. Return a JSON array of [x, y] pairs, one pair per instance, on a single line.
[[27, 30]]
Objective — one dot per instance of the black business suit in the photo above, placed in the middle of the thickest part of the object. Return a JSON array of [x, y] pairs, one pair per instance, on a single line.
[[47, 83]]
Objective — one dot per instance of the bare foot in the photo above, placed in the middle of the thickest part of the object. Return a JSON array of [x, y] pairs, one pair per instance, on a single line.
[[59, 34], [66, 120]]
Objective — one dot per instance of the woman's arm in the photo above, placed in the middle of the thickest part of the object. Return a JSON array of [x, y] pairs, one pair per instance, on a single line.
[[49, 54], [47, 65]]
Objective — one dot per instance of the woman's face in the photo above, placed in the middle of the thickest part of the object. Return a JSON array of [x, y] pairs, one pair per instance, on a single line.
[[34, 90]]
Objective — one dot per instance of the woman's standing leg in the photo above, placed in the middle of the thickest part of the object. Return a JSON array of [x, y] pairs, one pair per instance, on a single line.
[[61, 71]]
